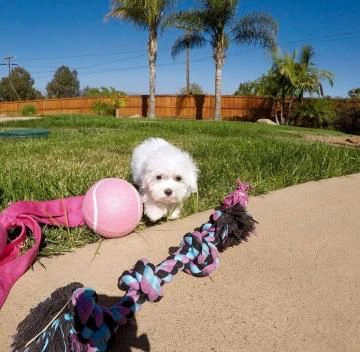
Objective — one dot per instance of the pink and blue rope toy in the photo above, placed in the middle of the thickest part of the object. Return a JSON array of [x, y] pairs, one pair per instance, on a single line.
[[77, 323]]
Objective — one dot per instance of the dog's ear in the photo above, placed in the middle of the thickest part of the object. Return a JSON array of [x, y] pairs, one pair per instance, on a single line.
[[193, 180], [146, 180]]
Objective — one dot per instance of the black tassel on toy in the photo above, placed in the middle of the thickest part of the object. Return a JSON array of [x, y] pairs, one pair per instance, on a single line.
[[239, 225], [36, 324]]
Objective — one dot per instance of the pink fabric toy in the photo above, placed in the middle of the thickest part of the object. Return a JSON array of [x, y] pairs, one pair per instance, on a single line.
[[27, 215]]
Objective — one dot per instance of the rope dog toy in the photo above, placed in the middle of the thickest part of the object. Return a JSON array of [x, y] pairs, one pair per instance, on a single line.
[[76, 323]]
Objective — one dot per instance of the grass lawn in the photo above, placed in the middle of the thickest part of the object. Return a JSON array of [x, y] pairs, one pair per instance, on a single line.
[[82, 149]]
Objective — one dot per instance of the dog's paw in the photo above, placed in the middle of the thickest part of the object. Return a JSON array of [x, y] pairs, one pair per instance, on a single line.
[[175, 214], [154, 213]]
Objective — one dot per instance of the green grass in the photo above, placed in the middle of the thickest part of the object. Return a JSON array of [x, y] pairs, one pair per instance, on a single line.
[[83, 149]]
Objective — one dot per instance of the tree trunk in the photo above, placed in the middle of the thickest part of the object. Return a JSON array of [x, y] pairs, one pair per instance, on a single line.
[[219, 57], [276, 118], [218, 76], [152, 51], [275, 111], [187, 70], [289, 110], [282, 106]]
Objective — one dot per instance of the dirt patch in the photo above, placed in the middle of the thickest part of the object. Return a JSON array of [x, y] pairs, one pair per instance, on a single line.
[[350, 141]]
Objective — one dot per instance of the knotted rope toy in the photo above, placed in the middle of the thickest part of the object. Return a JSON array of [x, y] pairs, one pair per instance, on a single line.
[[77, 323]]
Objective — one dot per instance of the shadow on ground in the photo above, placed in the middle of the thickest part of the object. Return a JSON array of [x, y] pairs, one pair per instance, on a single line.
[[126, 337]]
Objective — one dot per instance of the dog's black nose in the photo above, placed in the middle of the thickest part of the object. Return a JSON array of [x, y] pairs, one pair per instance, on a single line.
[[168, 192]]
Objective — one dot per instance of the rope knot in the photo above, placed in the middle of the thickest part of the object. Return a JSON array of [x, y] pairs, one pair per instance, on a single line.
[[142, 281], [239, 196], [94, 324], [201, 252]]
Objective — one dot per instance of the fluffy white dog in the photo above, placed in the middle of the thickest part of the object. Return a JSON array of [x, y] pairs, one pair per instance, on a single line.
[[165, 175]]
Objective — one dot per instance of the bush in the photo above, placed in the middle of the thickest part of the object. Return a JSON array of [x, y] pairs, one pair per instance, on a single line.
[[314, 113], [194, 89], [348, 118], [354, 93], [116, 100], [102, 108], [28, 110], [101, 92]]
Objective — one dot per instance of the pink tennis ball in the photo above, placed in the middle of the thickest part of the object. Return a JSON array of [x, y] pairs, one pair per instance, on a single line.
[[112, 207]]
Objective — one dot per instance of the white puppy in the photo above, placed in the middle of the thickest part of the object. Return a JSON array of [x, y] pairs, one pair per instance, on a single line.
[[165, 175]]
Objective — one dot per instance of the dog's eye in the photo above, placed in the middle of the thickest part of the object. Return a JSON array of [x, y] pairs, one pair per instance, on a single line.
[[158, 177], [178, 178]]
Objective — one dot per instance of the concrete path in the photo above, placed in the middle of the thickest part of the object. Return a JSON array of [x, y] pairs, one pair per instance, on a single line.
[[19, 118], [295, 286]]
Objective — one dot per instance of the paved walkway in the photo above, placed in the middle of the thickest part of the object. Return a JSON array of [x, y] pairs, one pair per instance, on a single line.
[[19, 118], [295, 286]]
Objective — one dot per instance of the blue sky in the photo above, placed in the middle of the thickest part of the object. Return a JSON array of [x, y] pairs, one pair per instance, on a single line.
[[46, 34]]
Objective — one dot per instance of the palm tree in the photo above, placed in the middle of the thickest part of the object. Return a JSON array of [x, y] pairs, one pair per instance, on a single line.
[[309, 78], [215, 21], [187, 41], [354, 93], [148, 15], [295, 74]]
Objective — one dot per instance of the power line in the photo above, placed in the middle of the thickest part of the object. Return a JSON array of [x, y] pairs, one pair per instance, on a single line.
[[97, 64], [146, 66], [138, 51], [102, 63], [323, 38], [284, 44], [82, 55], [10, 65], [140, 67]]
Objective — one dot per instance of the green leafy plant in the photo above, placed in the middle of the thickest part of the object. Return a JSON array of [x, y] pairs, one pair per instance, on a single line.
[[291, 76], [348, 118], [65, 84], [314, 113], [354, 93], [103, 108], [101, 92], [19, 85], [28, 110], [115, 101], [193, 89]]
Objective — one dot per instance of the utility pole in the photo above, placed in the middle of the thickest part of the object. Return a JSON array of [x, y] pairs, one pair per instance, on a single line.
[[188, 32], [9, 63], [188, 63]]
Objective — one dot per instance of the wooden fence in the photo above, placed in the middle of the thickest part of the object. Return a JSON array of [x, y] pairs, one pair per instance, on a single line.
[[173, 106], [200, 107], [80, 105]]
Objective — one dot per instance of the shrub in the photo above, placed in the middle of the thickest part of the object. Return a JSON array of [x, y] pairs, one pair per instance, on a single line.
[[103, 108], [348, 118], [354, 93], [194, 89], [116, 100], [314, 113], [28, 110], [101, 92]]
